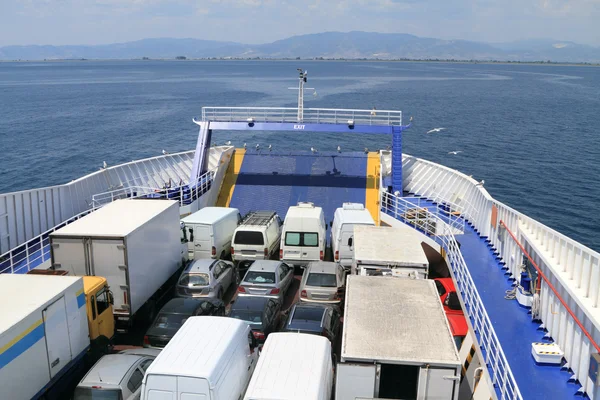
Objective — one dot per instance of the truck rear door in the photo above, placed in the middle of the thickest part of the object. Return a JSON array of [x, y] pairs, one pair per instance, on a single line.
[[438, 384], [355, 380], [108, 261], [57, 336], [70, 255]]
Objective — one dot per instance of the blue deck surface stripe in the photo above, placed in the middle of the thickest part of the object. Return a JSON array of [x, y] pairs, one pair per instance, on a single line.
[[512, 324], [276, 181]]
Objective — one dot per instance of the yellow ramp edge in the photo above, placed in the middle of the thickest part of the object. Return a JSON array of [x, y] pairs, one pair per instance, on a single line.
[[372, 190], [233, 170]]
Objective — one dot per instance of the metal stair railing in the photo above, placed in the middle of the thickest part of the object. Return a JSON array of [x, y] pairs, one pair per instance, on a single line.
[[493, 355]]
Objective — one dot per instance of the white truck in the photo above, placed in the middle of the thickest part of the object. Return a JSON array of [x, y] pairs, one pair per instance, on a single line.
[[134, 244], [396, 342], [380, 250], [43, 333]]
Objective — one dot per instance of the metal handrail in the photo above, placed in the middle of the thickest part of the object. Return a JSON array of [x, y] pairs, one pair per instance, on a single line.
[[18, 255], [310, 115], [178, 192], [551, 286], [502, 376]]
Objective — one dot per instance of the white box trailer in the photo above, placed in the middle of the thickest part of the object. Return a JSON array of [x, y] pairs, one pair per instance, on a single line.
[[380, 250], [134, 244], [43, 332], [396, 342]]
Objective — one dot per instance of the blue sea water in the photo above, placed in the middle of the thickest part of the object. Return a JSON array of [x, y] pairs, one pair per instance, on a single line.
[[530, 131]]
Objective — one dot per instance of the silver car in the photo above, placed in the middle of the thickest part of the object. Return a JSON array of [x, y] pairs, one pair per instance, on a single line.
[[207, 278], [321, 282], [267, 278], [116, 376]]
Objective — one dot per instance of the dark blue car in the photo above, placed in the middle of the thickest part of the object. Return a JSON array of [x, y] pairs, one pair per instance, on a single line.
[[315, 319]]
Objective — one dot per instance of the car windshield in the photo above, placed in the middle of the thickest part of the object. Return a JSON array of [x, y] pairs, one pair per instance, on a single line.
[[249, 238], [83, 393], [250, 316], [194, 280], [308, 314], [170, 321], [260, 277], [322, 280]]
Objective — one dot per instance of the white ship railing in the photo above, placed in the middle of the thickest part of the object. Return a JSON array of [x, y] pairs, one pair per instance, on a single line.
[[501, 373], [185, 194], [572, 268], [311, 115], [32, 253]]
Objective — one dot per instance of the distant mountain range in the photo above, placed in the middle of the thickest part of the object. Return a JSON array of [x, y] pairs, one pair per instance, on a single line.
[[347, 45]]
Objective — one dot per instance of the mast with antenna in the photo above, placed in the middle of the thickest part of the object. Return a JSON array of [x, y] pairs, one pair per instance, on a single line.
[[301, 81]]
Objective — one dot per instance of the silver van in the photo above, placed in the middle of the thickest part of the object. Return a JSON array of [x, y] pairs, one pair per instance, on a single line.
[[256, 238]]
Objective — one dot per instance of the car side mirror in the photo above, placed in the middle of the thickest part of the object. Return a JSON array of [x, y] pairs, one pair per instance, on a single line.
[[350, 242], [111, 298]]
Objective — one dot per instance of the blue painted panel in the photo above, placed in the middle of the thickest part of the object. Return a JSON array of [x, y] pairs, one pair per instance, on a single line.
[[22, 345], [276, 181], [278, 126]]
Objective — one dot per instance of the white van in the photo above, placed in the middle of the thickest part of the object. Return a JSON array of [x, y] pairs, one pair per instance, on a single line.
[[342, 230], [209, 358], [293, 366], [303, 236], [256, 238], [208, 232]]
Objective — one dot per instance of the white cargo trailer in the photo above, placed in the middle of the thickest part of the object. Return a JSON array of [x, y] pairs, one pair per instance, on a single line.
[[134, 244], [43, 332], [396, 342], [380, 250]]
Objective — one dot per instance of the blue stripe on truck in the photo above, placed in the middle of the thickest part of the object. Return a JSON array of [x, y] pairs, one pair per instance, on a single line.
[[21, 343], [80, 299]]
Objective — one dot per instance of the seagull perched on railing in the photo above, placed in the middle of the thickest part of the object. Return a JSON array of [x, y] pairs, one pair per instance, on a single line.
[[366, 150], [313, 149], [480, 183], [270, 147], [257, 147], [104, 165], [165, 152], [244, 146], [435, 130], [455, 152]]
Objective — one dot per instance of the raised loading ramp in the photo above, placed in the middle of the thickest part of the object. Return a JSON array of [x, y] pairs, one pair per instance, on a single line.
[[276, 181]]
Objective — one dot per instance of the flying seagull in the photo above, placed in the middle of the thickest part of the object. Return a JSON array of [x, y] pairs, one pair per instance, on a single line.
[[455, 152], [435, 130]]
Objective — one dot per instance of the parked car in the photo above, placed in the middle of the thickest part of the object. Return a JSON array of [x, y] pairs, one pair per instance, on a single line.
[[263, 314], [321, 282], [316, 319], [116, 376], [175, 313], [256, 238], [207, 278], [267, 278], [454, 313]]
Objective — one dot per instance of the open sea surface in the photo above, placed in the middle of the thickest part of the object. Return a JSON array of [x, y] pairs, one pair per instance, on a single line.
[[530, 131]]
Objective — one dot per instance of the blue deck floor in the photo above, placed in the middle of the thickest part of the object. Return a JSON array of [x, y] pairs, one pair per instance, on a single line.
[[512, 324], [276, 181]]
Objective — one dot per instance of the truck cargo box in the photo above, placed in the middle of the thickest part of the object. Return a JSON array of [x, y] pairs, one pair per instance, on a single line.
[[134, 244], [43, 332], [395, 251], [396, 342]]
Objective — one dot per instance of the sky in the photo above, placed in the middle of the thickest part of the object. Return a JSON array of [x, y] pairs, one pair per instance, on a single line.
[[60, 22]]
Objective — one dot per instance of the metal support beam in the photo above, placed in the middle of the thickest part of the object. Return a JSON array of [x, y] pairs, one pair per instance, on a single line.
[[200, 165], [397, 159]]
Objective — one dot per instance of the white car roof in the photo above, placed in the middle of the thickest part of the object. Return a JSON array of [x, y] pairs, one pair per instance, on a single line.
[[110, 370]]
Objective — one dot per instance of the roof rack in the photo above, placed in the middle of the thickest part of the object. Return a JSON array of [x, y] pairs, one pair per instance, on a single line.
[[258, 218]]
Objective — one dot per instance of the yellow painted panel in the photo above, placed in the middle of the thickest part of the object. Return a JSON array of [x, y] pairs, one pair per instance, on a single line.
[[235, 165], [372, 190]]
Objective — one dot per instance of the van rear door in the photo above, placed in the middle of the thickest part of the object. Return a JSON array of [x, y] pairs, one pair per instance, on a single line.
[[171, 387], [202, 241], [438, 383]]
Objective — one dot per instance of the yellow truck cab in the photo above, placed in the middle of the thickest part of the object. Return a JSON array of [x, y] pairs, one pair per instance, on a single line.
[[98, 301]]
